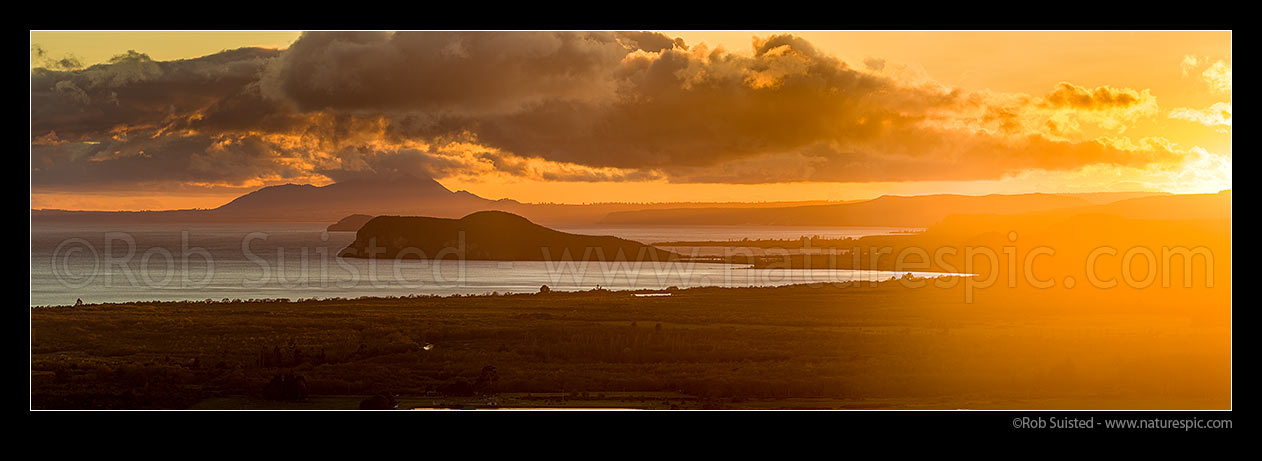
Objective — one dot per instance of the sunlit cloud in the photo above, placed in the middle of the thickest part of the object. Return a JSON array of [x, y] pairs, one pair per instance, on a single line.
[[1217, 115], [1218, 76], [1189, 64], [586, 107]]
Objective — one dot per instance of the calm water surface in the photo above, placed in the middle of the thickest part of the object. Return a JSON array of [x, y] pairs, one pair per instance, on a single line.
[[166, 263]]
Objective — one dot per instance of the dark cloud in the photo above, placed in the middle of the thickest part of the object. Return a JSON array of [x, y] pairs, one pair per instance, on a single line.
[[362, 162], [455, 72], [874, 63], [655, 42], [41, 57], [208, 159], [566, 106], [681, 109], [920, 155], [133, 90], [1101, 98]]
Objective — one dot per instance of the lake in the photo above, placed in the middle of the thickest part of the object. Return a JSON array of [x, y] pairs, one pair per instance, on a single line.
[[101, 264]]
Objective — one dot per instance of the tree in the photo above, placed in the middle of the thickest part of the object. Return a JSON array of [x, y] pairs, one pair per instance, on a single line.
[[544, 289]]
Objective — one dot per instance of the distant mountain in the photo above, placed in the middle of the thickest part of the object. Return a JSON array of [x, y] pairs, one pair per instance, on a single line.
[[1100, 198], [382, 195], [885, 211], [402, 195], [489, 235], [397, 195], [377, 196], [1184, 206], [1167, 207], [1135, 212]]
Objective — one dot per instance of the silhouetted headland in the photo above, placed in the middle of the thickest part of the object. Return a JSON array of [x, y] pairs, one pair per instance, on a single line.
[[350, 223], [489, 235]]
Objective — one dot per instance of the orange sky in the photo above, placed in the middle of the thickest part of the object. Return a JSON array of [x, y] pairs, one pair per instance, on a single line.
[[1134, 92]]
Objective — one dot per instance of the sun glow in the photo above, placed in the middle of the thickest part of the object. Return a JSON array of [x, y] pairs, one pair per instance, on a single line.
[[983, 118]]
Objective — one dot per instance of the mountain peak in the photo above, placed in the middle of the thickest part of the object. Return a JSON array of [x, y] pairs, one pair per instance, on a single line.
[[390, 179], [376, 194]]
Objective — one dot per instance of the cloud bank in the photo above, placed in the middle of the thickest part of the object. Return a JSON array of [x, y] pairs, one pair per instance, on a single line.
[[562, 106]]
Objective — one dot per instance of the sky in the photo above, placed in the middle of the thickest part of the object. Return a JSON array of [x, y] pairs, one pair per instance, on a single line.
[[173, 120]]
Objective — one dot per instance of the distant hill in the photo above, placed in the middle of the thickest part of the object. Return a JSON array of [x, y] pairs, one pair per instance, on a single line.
[[350, 223], [396, 195], [1100, 198], [387, 195], [1161, 207], [489, 235], [1161, 227], [382, 195], [1185, 206], [888, 211], [402, 195]]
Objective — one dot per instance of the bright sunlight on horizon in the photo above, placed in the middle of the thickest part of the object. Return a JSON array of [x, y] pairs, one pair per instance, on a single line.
[[770, 116]]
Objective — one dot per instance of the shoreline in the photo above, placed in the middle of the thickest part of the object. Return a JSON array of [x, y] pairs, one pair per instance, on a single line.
[[495, 294]]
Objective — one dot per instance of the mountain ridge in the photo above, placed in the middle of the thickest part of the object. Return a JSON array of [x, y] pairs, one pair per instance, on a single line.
[[406, 195], [886, 210]]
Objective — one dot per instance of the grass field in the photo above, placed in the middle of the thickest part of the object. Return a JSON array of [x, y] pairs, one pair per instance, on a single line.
[[853, 346]]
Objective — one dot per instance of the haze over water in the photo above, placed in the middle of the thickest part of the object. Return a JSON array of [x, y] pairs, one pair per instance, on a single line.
[[101, 264]]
